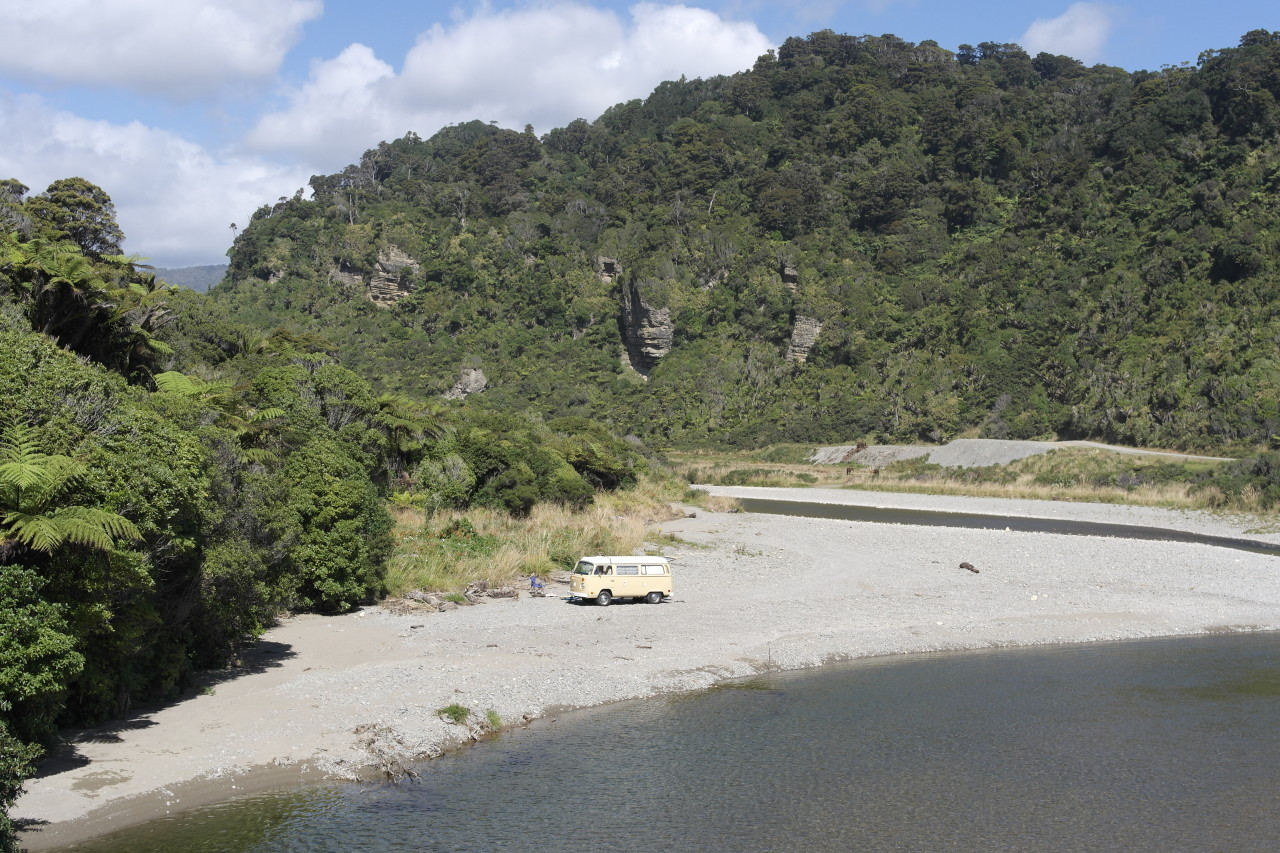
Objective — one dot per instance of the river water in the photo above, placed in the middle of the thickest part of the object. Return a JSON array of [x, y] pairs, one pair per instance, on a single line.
[[978, 521], [1159, 745]]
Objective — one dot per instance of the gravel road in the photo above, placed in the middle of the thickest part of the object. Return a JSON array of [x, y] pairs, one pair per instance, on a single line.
[[972, 452]]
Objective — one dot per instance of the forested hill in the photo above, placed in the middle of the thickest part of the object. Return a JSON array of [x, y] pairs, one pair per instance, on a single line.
[[858, 236]]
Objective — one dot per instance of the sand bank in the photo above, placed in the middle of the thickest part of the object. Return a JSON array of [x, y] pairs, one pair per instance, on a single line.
[[331, 696]]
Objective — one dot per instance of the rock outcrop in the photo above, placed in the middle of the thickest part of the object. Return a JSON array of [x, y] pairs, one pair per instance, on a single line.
[[472, 381], [347, 277], [647, 331], [607, 269], [803, 336], [790, 277], [386, 284], [389, 282]]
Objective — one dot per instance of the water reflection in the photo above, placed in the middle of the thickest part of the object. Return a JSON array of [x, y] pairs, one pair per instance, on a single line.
[[1157, 745]]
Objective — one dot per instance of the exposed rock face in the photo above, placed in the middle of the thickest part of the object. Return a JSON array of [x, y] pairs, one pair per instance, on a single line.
[[647, 331], [472, 381], [389, 282], [790, 277], [607, 269], [803, 336], [347, 277]]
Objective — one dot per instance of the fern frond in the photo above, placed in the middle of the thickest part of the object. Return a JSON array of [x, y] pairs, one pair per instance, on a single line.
[[38, 532], [259, 456], [159, 346], [21, 463], [174, 382], [84, 519], [266, 415]]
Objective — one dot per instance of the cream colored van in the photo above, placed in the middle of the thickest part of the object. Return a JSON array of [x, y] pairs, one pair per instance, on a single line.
[[605, 578]]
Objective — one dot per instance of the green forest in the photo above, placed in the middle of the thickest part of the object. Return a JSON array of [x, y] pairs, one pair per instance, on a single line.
[[858, 238]]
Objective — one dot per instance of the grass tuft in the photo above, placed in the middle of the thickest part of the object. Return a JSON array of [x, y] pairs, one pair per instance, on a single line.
[[455, 713]]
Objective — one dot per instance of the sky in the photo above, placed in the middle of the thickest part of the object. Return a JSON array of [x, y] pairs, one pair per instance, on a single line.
[[191, 114]]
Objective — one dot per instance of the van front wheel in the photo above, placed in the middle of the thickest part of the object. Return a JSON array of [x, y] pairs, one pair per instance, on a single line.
[[604, 598], [654, 598]]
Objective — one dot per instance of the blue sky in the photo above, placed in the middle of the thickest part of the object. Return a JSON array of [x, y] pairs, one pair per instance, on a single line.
[[192, 113]]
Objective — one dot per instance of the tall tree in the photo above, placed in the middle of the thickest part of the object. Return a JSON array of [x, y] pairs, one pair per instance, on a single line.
[[79, 211]]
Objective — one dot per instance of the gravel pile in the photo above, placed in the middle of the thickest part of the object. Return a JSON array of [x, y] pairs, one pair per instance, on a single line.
[[872, 456]]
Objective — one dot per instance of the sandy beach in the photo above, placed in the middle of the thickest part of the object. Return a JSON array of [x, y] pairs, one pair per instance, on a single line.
[[340, 696]]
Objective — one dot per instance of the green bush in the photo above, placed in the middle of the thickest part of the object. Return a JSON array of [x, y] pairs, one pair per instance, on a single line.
[[337, 527], [1260, 473], [38, 658], [17, 764], [455, 713]]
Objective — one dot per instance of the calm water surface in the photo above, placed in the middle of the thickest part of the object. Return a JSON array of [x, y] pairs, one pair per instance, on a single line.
[[979, 521], [1163, 745]]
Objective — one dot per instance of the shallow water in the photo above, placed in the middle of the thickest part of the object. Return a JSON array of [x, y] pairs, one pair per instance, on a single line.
[[978, 521], [1161, 745]]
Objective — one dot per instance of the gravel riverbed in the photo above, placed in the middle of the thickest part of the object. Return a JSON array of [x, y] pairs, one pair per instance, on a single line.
[[340, 697]]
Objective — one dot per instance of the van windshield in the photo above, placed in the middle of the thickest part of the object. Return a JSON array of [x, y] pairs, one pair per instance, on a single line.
[[583, 568]]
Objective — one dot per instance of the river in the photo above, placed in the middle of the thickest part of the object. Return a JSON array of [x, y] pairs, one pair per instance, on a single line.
[[1160, 745]]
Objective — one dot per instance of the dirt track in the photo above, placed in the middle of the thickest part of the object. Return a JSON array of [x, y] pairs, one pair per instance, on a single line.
[[972, 452]]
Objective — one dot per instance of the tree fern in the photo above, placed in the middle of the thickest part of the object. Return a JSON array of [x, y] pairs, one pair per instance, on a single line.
[[31, 510], [22, 465]]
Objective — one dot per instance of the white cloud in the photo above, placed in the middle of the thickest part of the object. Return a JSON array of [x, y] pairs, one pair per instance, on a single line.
[[174, 48], [174, 200], [1080, 32], [543, 65], [341, 111]]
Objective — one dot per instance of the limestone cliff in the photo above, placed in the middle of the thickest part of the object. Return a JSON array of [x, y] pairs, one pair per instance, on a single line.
[[804, 334], [790, 277], [389, 282], [647, 330], [386, 284], [607, 269], [347, 277]]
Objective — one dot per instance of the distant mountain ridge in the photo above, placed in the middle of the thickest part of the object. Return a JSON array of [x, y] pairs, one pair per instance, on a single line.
[[199, 279]]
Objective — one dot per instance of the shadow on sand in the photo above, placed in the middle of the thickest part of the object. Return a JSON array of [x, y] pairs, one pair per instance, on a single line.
[[260, 657]]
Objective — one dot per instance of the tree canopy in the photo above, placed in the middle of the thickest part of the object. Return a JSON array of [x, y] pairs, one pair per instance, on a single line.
[[860, 236]]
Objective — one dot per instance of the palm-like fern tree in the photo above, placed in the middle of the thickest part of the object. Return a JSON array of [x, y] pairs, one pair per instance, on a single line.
[[106, 309], [35, 508], [252, 427]]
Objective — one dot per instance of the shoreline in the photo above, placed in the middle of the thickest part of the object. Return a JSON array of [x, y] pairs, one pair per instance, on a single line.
[[329, 697]]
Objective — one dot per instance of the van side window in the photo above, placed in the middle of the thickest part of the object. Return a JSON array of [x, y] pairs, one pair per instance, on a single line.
[[653, 570], [628, 570]]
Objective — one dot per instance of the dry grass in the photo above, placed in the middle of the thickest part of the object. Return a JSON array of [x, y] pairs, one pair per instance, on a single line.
[[448, 550]]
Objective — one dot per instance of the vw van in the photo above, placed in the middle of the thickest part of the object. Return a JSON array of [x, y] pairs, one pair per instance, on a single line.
[[602, 579]]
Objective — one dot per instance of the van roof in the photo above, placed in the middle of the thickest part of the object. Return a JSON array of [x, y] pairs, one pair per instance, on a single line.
[[628, 558]]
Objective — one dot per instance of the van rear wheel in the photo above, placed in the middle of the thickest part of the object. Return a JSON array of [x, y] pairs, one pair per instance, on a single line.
[[654, 598], [604, 598]]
